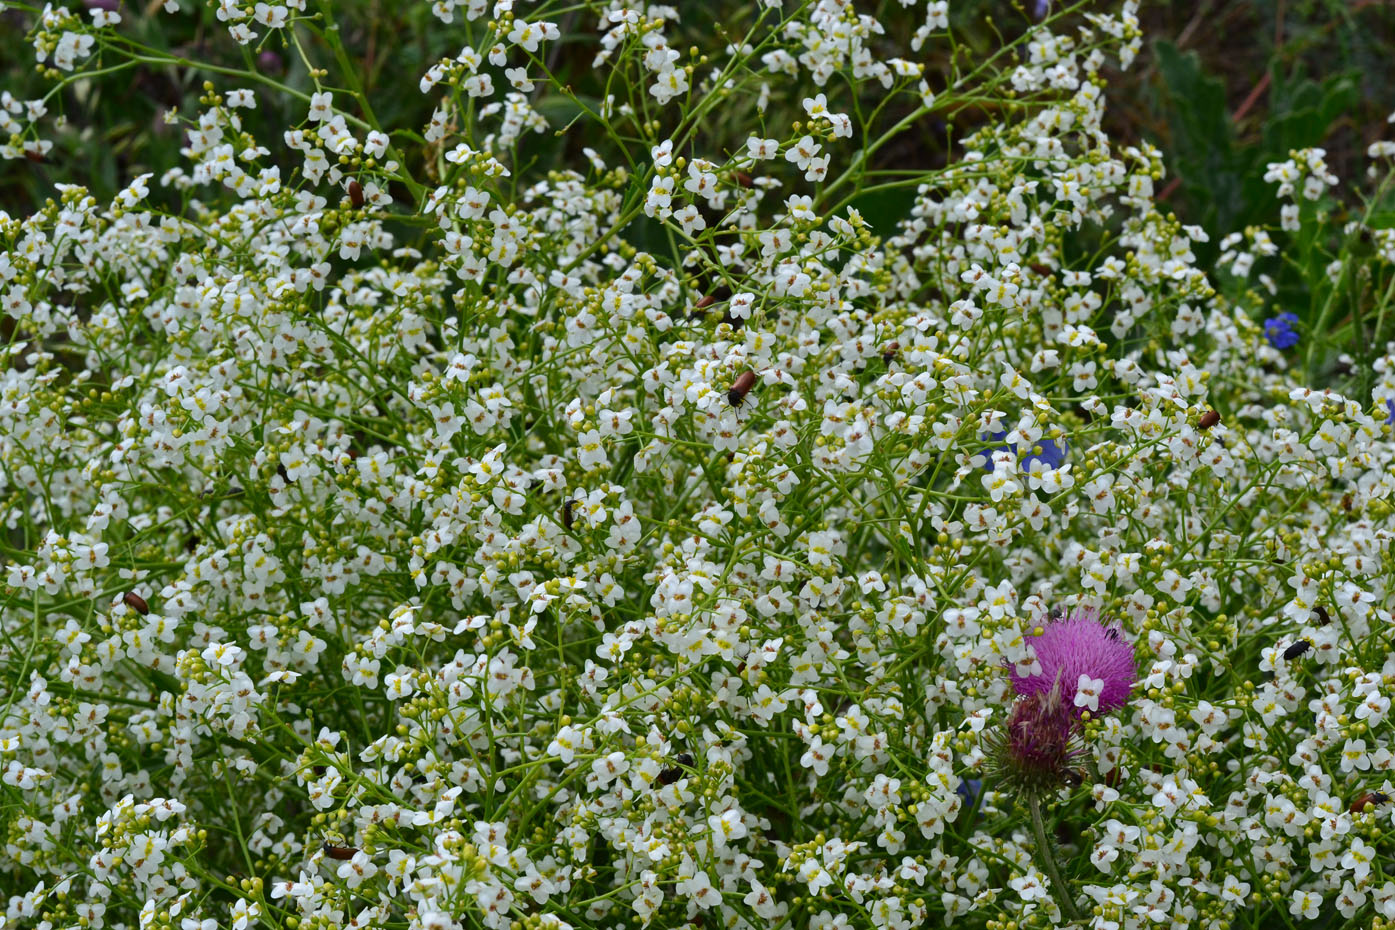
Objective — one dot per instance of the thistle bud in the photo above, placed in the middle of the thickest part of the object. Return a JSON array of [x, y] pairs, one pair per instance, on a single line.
[[1036, 750]]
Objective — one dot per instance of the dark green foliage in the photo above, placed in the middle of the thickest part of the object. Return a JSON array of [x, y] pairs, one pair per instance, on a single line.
[[1222, 176]]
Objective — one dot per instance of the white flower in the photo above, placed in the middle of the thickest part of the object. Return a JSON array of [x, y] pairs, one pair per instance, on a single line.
[[762, 149], [760, 900], [1233, 889], [1354, 756], [400, 684], [699, 890], [244, 913], [528, 35], [1305, 904], [1087, 692], [1103, 857], [565, 744], [321, 106], [224, 655], [690, 219], [656, 204], [1350, 899], [816, 757], [72, 47], [357, 870], [273, 16], [1032, 886], [726, 827], [1373, 708], [1359, 858], [669, 84], [590, 450], [803, 152]]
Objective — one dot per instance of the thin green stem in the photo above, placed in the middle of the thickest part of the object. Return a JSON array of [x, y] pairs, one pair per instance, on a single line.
[[1046, 860]]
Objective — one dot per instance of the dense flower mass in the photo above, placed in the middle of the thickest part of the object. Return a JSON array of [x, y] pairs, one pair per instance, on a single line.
[[601, 483]]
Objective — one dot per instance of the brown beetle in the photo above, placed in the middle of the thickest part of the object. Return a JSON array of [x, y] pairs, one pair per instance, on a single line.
[[1374, 798], [890, 351], [339, 852], [744, 180], [567, 518], [741, 387], [1208, 419], [136, 603], [706, 302], [356, 194]]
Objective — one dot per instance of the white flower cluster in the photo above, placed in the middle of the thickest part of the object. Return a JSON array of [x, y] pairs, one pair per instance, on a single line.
[[399, 535]]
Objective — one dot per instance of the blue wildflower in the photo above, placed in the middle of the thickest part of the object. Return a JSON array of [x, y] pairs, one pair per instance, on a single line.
[[1052, 454], [969, 789], [1279, 330]]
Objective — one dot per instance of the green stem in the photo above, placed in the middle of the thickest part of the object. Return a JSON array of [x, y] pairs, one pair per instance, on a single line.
[[1047, 861]]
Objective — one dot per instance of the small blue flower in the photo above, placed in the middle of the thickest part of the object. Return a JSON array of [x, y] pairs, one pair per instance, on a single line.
[[1279, 330], [1052, 454], [969, 789]]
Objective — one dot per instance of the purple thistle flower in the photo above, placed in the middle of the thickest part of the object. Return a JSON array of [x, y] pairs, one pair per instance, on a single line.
[[1090, 662]]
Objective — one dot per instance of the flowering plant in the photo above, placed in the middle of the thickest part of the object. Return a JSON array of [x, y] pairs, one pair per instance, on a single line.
[[1077, 667], [1041, 742], [568, 508]]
